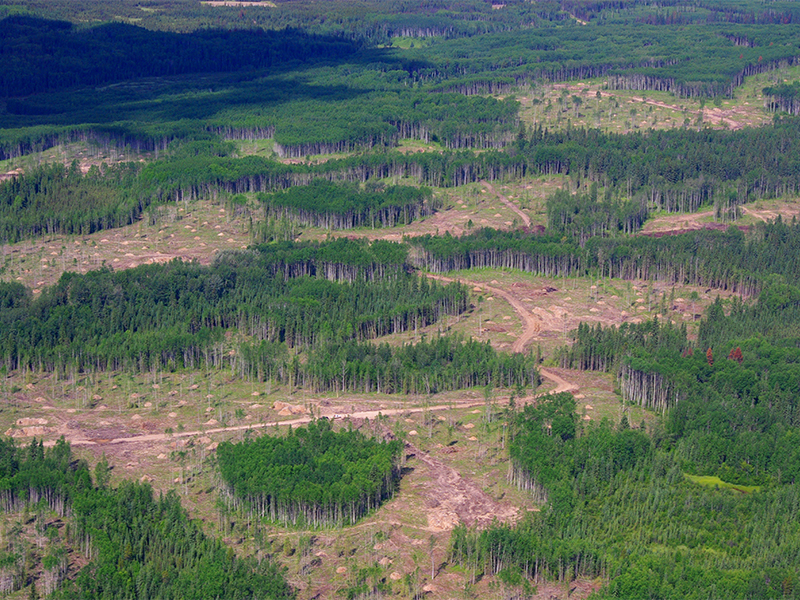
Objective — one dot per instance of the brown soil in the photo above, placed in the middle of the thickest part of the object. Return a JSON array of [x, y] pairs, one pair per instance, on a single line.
[[674, 224], [453, 499], [193, 235]]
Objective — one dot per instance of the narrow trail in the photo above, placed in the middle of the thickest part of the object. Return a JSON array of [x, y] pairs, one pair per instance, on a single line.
[[361, 414], [525, 218], [562, 385], [532, 325]]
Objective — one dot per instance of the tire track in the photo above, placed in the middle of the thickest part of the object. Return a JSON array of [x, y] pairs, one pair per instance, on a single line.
[[532, 325], [525, 218]]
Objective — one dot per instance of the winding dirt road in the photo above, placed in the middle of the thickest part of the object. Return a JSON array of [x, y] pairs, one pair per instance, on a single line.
[[532, 325], [525, 218]]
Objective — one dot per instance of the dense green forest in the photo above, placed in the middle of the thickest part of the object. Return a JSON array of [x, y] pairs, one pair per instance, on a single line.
[[175, 315], [313, 476], [619, 507], [323, 204], [54, 199], [134, 544]]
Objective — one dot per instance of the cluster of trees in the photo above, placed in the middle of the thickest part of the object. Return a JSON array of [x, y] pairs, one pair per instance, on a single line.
[[175, 315], [617, 506], [332, 206], [582, 216], [341, 260], [304, 312], [54, 199], [717, 259], [427, 367], [313, 476], [730, 399], [598, 348], [547, 454], [145, 547], [34, 474], [134, 545], [783, 97], [363, 118]]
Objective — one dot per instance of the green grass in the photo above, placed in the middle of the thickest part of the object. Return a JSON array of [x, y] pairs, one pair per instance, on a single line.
[[406, 43], [713, 481]]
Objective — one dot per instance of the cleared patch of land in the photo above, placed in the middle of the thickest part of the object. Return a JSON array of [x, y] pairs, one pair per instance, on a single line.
[[716, 482], [754, 212], [591, 104], [195, 231]]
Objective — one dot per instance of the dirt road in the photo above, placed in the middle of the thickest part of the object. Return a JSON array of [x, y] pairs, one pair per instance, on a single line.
[[526, 220], [362, 414], [531, 323]]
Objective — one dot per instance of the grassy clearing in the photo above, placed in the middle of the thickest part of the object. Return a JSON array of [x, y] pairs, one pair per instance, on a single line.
[[256, 147], [85, 153], [577, 104], [194, 231], [716, 482]]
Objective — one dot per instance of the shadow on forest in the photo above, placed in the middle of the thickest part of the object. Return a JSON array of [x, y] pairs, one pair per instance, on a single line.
[[52, 73]]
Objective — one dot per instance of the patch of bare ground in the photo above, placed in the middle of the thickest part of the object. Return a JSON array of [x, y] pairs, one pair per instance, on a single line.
[[591, 104], [452, 499], [192, 232], [766, 210], [483, 204]]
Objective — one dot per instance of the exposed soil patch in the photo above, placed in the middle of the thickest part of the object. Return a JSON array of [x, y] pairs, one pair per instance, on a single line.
[[453, 499], [194, 233], [674, 224]]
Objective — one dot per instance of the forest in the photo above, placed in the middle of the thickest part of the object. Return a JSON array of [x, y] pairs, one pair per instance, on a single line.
[[330, 206], [620, 501], [314, 475], [137, 545], [175, 315], [534, 143]]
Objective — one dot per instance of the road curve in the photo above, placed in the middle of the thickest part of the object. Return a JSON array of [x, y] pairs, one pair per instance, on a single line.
[[526, 220], [532, 325]]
